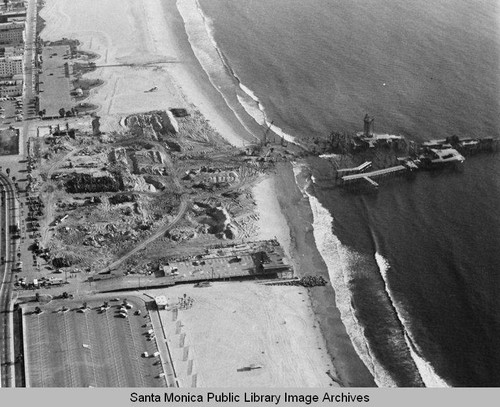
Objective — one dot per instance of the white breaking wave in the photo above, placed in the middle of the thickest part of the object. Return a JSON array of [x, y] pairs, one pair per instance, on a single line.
[[256, 110], [282, 134], [250, 93], [200, 31], [427, 372], [252, 109], [383, 265], [200, 35], [337, 259]]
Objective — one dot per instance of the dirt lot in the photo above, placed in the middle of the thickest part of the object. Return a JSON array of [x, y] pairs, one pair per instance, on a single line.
[[89, 349], [142, 175], [9, 142]]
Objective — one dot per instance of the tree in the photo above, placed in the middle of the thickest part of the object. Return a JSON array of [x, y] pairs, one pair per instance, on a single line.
[[37, 297], [38, 310], [7, 171], [62, 112], [65, 295], [84, 306]]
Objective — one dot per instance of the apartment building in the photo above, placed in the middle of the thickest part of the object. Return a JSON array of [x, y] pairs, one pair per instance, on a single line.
[[12, 33], [10, 66]]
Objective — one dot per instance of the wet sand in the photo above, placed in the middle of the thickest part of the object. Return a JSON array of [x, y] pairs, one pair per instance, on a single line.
[[307, 260]]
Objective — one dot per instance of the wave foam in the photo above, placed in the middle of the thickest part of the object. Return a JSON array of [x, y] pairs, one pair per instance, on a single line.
[[341, 262], [427, 372], [200, 31], [338, 260]]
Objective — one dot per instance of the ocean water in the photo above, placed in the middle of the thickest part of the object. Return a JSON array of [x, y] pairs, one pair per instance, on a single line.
[[416, 266]]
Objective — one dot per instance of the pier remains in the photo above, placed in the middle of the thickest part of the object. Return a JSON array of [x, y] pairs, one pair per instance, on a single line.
[[388, 155]]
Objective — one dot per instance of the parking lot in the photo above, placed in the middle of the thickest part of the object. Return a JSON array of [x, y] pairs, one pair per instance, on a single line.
[[66, 346], [54, 81], [12, 110]]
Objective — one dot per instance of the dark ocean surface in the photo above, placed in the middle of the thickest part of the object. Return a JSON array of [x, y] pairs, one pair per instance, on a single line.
[[420, 259]]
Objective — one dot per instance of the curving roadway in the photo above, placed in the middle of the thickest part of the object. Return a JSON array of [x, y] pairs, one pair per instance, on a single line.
[[7, 248]]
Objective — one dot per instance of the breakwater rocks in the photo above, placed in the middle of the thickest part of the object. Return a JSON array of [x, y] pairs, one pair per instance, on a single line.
[[307, 281]]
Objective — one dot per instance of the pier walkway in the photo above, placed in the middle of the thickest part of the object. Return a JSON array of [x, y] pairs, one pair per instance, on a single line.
[[368, 176], [359, 168]]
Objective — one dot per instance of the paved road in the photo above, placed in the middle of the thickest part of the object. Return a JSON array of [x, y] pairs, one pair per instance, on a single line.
[[182, 209], [8, 217], [29, 55], [9, 214]]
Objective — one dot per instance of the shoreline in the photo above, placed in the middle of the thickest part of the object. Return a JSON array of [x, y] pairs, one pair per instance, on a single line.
[[305, 256], [196, 85], [186, 82]]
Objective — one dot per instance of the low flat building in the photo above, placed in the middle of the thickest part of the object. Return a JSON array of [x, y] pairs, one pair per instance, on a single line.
[[11, 50], [161, 301], [446, 155], [11, 88], [10, 9]]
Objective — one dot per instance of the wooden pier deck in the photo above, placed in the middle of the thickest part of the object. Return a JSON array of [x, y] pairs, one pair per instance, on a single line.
[[359, 168], [368, 176]]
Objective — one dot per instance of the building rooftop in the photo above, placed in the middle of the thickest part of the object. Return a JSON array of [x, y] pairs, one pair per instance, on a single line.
[[12, 24], [446, 155], [161, 300], [12, 58]]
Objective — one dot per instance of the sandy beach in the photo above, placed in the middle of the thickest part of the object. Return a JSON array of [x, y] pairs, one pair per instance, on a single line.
[[138, 48], [142, 44], [236, 325]]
